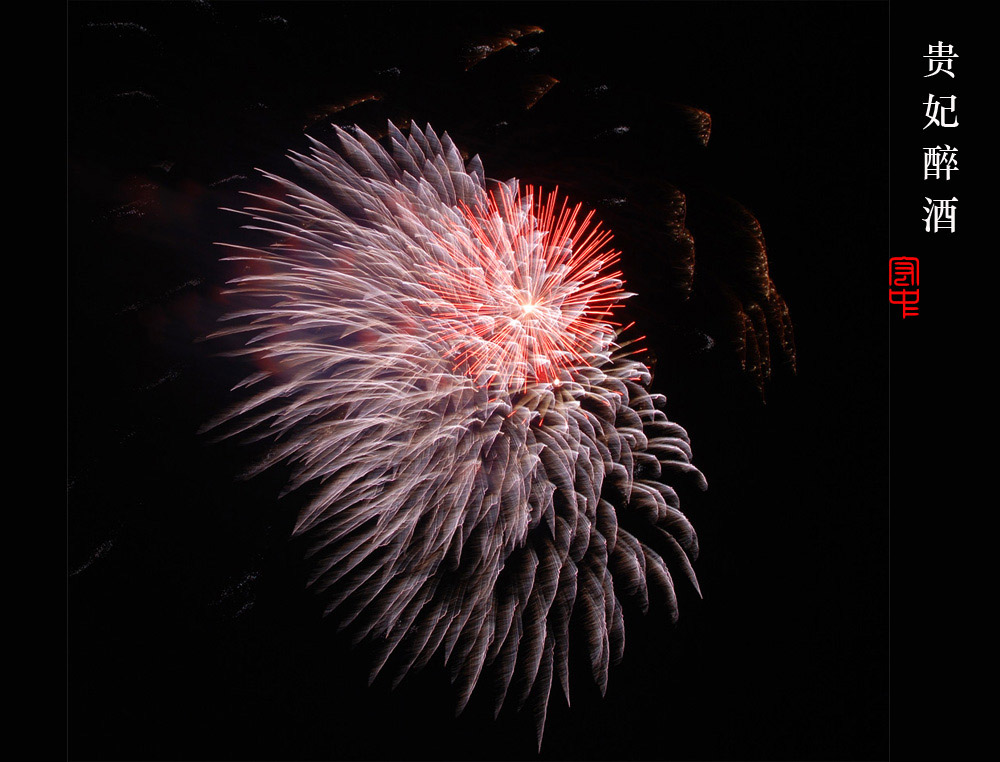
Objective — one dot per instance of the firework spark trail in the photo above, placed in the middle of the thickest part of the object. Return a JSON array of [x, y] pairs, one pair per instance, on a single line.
[[440, 369]]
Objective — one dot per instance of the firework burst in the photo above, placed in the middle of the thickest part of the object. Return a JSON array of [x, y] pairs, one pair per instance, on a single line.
[[440, 367]]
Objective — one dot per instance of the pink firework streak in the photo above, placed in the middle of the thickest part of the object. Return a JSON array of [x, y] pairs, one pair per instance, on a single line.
[[483, 461]]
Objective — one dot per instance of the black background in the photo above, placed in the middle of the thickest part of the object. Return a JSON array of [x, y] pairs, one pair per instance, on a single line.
[[190, 634]]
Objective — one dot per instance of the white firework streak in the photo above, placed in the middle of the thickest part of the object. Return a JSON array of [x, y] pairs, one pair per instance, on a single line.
[[440, 372]]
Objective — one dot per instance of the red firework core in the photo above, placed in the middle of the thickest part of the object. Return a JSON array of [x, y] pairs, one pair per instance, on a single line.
[[521, 288]]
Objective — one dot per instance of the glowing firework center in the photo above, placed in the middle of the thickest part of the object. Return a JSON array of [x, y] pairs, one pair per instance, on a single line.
[[519, 289]]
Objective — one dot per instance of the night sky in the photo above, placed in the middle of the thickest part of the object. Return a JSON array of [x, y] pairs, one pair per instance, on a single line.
[[191, 634]]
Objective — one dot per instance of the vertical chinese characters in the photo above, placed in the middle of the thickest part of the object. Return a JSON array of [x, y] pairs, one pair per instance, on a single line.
[[940, 161]]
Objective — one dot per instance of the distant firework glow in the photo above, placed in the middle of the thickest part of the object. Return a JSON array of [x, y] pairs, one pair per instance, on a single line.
[[439, 365]]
